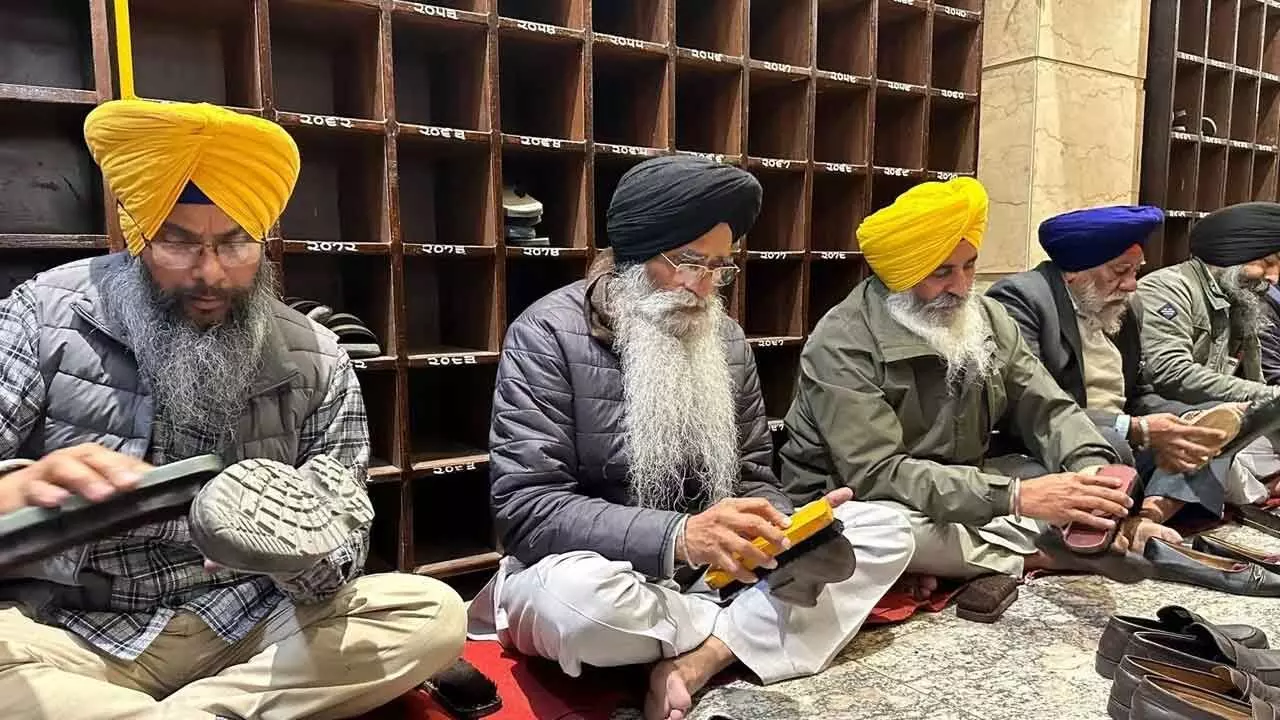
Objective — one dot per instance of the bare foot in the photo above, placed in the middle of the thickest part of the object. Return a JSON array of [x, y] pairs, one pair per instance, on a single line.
[[673, 683], [920, 587]]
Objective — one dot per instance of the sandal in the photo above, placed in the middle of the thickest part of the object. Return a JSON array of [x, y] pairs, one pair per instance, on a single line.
[[1087, 540], [353, 336]]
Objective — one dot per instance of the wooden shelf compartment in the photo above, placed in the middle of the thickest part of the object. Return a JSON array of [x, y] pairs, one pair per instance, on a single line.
[[640, 19], [49, 184], [378, 388], [631, 98], [446, 195], [46, 43], [441, 73], [777, 117], [1223, 19], [452, 520], [557, 13], [1176, 245], [713, 26], [838, 205], [708, 108], [355, 284], [559, 181], [899, 130], [530, 278], [450, 306], [1193, 27], [1249, 37], [325, 59], [1188, 95], [886, 188], [19, 266], [449, 411], [842, 121], [779, 370], [781, 224], [1264, 177], [1217, 102], [844, 36], [902, 43], [957, 54], [830, 283], [1212, 178], [202, 52], [541, 85], [1239, 177], [608, 172], [953, 136], [384, 535], [1244, 110], [773, 298], [1271, 41], [341, 194], [1182, 177], [780, 31], [1269, 115]]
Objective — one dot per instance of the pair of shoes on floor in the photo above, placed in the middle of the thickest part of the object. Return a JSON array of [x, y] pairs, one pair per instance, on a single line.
[[1217, 565], [521, 214], [354, 335]]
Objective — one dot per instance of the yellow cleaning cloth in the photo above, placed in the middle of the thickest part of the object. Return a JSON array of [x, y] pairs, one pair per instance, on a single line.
[[149, 151], [908, 240]]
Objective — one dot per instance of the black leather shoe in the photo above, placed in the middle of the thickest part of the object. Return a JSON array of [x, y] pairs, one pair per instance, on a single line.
[[1126, 567], [1177, 563], [1169, 619], [1165, 699], [1228, 549], [1221, 680], [1203, 647]]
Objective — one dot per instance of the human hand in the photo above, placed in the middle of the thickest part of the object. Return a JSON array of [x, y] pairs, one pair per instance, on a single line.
[[725, 530], [1062, 498], [1137, 530], [89, 470], [1180, 446]]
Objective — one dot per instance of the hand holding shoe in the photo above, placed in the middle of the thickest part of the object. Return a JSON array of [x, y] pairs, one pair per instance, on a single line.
[[1137, 530], [1180, 446], [89, 470], [1068, 497]]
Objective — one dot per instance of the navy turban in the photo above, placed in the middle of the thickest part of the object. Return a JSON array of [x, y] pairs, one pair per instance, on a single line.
[[667, 202], [1085, 239], [1237, 234]]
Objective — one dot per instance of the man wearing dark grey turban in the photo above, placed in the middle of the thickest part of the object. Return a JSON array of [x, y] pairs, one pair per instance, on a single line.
[[1202, 322], [630, 451]]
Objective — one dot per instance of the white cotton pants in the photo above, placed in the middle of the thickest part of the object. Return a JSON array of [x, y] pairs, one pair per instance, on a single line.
[[579, 607], [1255, 461]]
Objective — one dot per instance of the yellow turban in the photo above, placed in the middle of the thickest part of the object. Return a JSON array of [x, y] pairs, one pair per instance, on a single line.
[[905, 242], [150, 151]]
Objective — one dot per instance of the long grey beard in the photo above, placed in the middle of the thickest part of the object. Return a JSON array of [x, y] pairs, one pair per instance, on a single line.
[[679, 395], [200, 377], [1245, 294], [1101, 312], [954, 327]]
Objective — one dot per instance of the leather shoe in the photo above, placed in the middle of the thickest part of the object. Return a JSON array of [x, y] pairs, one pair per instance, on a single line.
[[1165, 699], [1122, 567], [1201, 648], [1228, 549], [1169, 619], [1222, 680], [1178, 563]]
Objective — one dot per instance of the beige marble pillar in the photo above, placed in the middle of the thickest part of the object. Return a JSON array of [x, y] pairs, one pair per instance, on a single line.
[[1061, 119]]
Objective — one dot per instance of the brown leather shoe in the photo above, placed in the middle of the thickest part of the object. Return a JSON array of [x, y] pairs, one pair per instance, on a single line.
[[1206, 644], [1165, 699], [1221, 680], [1169, 619], [1178, 563], [1225, 548]]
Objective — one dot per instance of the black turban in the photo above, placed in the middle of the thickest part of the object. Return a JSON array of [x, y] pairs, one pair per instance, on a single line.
[[1237, 234], [667, 202]]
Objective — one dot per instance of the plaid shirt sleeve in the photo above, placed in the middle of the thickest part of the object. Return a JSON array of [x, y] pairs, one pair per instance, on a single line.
[[339, 428], [22, 387]]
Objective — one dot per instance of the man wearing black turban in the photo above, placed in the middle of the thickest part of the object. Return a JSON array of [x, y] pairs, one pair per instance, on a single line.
[[630, 450], [1202, 320]]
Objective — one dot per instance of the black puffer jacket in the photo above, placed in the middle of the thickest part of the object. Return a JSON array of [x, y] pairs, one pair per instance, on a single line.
[[559, 470]]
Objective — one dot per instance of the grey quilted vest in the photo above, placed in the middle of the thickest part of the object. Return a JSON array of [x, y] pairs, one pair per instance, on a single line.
[[94, 393]]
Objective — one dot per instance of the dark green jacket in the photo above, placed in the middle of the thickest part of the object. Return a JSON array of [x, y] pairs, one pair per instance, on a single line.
[[873, 411]]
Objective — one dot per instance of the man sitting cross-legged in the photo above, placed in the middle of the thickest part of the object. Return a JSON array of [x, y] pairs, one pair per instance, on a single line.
[[902, 383], [630, 450]]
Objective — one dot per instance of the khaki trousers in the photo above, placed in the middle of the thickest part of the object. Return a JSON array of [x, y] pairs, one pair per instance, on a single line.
[[379, 637]]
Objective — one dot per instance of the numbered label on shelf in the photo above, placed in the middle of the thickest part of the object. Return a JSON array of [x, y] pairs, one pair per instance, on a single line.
[[777, 163], [1180, 214], [331, 247], [450, 469], [359, 365], [948, 10], [1182, 136], [434, 11], [945, 176], [838, 167], [541, 142], [777, 425], [440, 249], [900, 87], [781, 67], [451, 360], [896, 172], [833, 255], [710, 156], [536, 27], [325, 121], [628, 150], [541, 252], [1217, 63], [443, 132], [707, 55], [623, 41], [953, 94], [772, 255], [769, 342], [841, 77]]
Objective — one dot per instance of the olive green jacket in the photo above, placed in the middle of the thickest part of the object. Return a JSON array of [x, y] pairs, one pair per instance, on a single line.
[[1191, 351], [873, 411]]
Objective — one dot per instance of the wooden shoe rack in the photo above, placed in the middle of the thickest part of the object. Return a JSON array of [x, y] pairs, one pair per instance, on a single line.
[[1216, 65], [410, 118]]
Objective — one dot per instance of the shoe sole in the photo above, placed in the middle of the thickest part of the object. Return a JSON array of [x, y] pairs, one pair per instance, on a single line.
[[266, 517], [1220, 418]]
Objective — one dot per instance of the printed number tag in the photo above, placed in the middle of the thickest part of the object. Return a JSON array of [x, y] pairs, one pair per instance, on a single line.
[[326, 121], [331, 247], [433, 11], [451, 360], [450, 469]]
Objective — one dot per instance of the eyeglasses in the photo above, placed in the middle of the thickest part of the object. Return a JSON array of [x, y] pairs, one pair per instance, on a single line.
[[721, 275], [186, 255]]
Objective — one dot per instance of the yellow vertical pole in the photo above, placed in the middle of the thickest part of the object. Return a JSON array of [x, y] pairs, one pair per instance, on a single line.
[[124, 49]]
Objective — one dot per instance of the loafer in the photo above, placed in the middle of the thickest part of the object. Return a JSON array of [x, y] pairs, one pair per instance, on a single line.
[[1228, 549], [1127, 567], [1169, 619], [1220, 680], [1203, 647], [1178, 563], [1165, 699]]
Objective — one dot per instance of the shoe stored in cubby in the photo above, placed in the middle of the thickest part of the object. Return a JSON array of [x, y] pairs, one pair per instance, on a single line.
[[357, 285], [560, 13], [953, 135], [441, 72], [340, 197], [452, 522], [781, 225], [1212, 178], [708, 107], [446, 195], [902, 43], [532, 276], [780, 31], [450, 306], [325, 59], [1239, 177], [46, 43], [608, 172], [714, 26], [1249, 42], [779, 370], [900, 124], [640, 19], [830, 282], [1182, 176], [839, 204], [886, 188], [957, 54], [196, 52], [378, 388], [556, 180], [449, 405], [777, 116], [773, 297], [541, 84], [1193, 26], [48, 182], [841, 123], [384, 535], [19, 262], [631, 97], [1223, 17], [1264, 176], [1244, 110], [844, 36]]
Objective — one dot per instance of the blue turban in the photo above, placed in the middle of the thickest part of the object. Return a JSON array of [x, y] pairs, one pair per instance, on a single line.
[[1084, 239]]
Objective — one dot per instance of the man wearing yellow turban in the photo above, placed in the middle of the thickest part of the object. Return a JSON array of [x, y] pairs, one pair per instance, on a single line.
[[253, 603], [902, 384]]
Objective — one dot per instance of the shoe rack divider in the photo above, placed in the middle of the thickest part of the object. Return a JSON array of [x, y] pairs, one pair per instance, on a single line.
[[1212, 119], [411, 117]]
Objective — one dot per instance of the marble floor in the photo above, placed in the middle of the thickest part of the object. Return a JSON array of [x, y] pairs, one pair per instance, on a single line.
[[1035, 663]]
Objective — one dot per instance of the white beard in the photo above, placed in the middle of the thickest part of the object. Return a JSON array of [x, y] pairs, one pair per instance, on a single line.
[[955, 328], [1246, 299], [680, 410], [1103, 313]]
